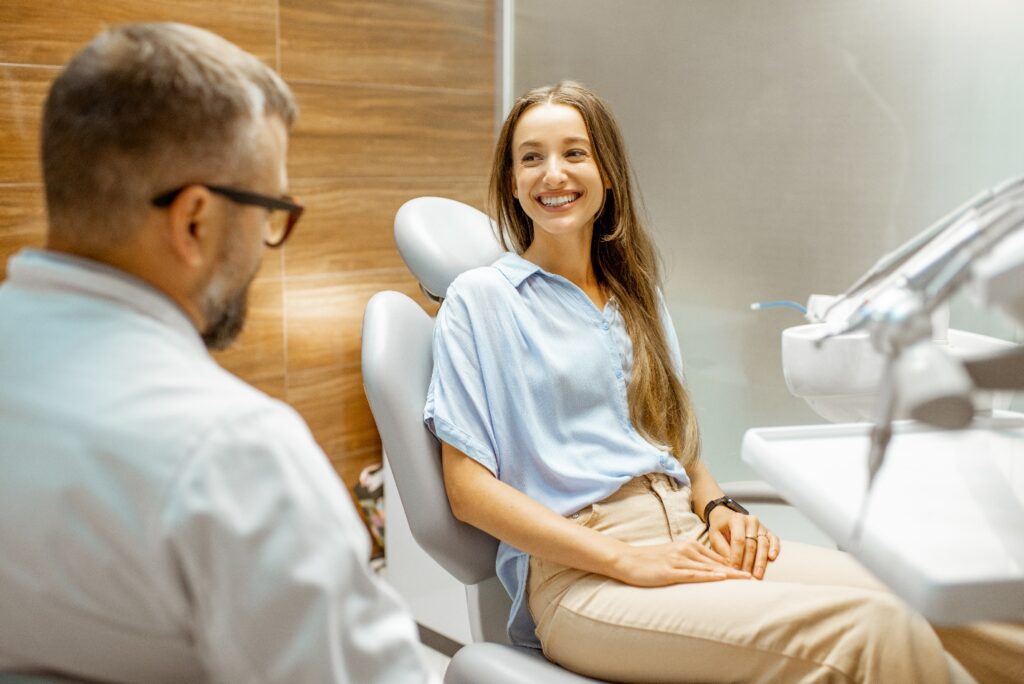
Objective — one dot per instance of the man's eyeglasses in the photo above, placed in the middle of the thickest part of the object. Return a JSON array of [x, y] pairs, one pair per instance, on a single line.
[[284, 211]]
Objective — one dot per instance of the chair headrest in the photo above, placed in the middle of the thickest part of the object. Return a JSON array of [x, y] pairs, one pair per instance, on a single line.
[[440, 238]]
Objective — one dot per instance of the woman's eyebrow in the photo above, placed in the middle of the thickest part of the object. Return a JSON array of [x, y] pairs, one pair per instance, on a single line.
[[575, 140]]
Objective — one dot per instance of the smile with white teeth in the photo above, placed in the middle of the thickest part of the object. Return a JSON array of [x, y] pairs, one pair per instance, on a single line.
[[559, 200]]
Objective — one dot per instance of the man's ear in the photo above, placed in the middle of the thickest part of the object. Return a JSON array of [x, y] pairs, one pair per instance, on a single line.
[[188, 224]]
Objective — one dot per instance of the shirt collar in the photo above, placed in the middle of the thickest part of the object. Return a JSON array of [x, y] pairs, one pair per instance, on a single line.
[[38, 269], [515, 268]]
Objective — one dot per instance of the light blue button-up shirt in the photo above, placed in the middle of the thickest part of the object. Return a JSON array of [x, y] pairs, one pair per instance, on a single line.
[[530, 380]]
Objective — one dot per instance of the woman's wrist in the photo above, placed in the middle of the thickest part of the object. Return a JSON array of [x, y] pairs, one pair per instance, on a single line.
[[717, 514], [616, 555]]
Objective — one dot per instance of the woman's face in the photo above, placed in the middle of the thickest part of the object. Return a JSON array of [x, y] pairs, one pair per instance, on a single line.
[[557, 181]]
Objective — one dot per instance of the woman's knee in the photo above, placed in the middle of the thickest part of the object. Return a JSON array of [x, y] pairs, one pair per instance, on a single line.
[[894, 642]]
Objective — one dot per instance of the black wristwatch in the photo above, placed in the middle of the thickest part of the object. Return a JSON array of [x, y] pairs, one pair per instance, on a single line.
[[726, 501]]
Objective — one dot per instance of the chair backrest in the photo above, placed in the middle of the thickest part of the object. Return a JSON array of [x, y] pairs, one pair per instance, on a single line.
[[438, 238], [397, 362]]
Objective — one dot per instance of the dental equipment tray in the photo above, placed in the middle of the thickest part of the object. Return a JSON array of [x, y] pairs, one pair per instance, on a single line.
[[944, 525]]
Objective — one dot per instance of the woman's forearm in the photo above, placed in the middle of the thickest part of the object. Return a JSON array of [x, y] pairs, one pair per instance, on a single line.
[[481, 500], [703, 487]]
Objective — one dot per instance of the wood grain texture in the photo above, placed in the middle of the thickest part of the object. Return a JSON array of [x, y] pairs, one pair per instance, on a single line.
[[33, 32], [257, 356], [347, 131], [349, 224], [272, 265], [22, 221], [325, 314], [323, 342], [335, 408], [431, 43], [22, 91]]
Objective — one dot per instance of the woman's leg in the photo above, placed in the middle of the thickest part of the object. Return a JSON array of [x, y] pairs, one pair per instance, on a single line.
[[992, 652], [735, 631], [777, 630]]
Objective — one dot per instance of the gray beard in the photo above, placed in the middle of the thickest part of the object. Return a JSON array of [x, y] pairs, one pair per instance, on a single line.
[[225, 320]]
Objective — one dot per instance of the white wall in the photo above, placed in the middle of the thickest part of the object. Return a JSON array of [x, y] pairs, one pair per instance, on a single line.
[[781, 148]]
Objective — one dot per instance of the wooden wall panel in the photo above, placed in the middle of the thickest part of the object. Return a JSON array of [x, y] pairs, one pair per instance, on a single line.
[[257, 356], [22, 220], [346, 131], [33, 32], [325, 314], [435, 43], [22, 92], [349, 224], [324, 327], [324, 380]]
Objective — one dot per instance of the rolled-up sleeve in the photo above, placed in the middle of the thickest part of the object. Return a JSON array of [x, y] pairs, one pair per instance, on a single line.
[[457, 408]]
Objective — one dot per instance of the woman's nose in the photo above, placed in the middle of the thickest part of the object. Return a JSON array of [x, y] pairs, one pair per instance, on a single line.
[[554, 173]]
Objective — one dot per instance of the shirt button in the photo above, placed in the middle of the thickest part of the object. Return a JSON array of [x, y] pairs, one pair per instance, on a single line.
[[604, 326], [618, 374]]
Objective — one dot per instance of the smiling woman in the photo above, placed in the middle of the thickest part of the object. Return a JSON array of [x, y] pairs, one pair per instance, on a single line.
[[567, 433]]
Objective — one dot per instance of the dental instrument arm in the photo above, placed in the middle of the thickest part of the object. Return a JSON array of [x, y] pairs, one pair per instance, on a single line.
[[890, 262], [981, 241]]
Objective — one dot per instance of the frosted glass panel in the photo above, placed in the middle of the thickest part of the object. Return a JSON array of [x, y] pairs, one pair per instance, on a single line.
[[781, 148]]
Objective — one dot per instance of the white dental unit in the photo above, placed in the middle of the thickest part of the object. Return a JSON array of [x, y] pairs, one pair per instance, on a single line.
[[922, 479]]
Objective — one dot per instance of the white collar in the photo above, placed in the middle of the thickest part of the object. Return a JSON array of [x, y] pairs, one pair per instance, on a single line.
[[37, 269]]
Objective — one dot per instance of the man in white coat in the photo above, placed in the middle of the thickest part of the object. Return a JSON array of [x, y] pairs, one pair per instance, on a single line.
[[160, 520]]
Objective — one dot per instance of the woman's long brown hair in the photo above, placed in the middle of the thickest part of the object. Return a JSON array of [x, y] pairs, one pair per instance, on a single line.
[[624, 261]]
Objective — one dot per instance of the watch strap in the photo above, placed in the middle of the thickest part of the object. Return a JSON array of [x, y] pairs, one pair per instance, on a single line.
[[726, 501]]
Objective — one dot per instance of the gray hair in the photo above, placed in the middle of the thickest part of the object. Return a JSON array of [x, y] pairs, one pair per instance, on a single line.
[[143, 109]]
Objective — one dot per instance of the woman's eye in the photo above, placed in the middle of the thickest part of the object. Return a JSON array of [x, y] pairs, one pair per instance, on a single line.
[[531, 157], [576, 154]]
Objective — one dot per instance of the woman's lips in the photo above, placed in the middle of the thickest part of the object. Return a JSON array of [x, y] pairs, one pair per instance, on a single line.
[[558, 202]]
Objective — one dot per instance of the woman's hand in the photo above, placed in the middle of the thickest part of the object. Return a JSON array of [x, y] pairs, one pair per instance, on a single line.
[[674, 563], [743, 539]]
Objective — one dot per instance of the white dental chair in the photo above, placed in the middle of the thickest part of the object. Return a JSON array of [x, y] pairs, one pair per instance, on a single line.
[[439, 239]]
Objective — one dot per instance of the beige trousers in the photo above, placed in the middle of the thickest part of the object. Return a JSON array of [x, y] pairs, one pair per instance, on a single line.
[[818, 616]]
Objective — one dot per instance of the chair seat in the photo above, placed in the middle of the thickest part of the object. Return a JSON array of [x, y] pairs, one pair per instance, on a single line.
[[500, 664]]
